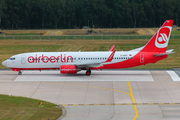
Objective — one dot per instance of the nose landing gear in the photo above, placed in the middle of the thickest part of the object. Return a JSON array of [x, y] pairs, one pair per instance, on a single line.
[[88, 72], [19, 73]]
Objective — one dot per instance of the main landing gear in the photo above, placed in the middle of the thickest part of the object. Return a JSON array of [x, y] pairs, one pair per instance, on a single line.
[[88, 72], [19, 73]]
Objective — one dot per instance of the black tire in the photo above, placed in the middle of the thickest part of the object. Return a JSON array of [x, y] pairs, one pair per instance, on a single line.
[[88, 72], [19, 73]]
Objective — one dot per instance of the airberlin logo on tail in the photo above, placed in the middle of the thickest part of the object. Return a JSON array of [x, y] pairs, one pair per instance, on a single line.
[[162, 37]]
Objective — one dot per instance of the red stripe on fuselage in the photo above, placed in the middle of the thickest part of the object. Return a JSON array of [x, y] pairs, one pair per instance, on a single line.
[[18, 69]]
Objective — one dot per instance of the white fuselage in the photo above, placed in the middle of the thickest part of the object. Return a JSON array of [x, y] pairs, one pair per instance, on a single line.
[[56, 59]]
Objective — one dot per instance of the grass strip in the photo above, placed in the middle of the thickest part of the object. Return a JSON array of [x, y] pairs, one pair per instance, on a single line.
[[21, 108]]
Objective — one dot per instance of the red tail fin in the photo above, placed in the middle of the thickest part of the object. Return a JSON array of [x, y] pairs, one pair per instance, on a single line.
[[159, 41]]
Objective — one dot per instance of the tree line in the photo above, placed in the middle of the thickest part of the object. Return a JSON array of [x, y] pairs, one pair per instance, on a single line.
[[68, 14]]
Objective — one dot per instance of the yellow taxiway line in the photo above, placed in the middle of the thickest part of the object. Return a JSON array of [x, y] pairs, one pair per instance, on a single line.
[[131, 94], [135, 107]]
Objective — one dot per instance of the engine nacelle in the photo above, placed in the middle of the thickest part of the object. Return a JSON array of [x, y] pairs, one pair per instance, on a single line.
[[68, 69]]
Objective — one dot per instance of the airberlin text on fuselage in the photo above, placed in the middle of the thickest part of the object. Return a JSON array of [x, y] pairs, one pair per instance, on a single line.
[[52, 59]]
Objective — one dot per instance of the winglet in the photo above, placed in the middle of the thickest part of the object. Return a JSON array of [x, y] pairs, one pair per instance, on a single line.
[[112, 48], [111, 57]]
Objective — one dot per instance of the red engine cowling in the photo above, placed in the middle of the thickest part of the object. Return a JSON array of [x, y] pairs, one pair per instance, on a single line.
[[68, 69]]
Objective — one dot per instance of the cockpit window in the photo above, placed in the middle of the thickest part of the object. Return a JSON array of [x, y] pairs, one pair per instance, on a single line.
[[12, 58]]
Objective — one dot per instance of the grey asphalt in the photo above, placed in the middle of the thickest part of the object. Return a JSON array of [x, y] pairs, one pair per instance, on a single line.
[[102, 87]]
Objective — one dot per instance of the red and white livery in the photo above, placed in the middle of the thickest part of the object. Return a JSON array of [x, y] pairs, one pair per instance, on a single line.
[[73, 62]]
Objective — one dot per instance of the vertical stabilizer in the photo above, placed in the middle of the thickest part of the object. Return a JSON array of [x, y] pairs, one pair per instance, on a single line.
[[160, 40]]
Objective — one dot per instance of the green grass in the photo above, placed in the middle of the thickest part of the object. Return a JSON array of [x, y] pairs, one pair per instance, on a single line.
[[85, 37], [9, 48], [110, 37], [20, 108], [175, 32]]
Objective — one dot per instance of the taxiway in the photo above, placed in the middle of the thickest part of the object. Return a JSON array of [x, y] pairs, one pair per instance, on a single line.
[[121, 94]]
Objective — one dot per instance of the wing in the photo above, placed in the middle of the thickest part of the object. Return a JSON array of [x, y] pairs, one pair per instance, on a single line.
[[95, 64]]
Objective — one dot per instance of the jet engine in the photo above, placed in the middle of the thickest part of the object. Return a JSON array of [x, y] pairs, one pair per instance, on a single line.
[[68, 69]]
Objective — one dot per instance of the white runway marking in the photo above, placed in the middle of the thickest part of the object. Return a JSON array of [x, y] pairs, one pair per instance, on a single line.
[[173, 75], [95, 76]]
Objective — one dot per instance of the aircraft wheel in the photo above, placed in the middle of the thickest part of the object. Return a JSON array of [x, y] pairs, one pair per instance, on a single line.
[[19, 73], [88, 72]]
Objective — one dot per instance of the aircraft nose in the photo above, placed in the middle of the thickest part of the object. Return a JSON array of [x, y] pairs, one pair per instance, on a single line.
[[4, 63]]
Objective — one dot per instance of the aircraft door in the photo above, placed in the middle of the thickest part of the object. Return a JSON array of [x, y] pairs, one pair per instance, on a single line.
[[141, 58], [23, 59]]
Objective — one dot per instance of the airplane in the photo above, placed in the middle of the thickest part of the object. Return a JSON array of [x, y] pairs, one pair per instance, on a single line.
[[73, 62]]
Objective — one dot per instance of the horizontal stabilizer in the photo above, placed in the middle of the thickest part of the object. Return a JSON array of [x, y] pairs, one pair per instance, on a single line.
[[166, 53]]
